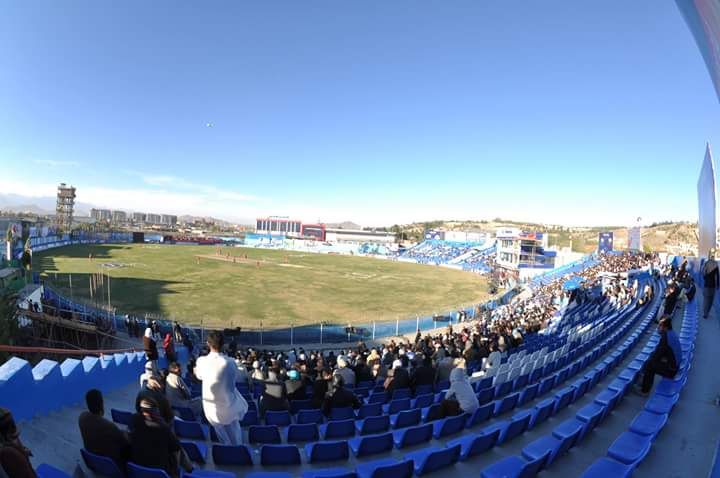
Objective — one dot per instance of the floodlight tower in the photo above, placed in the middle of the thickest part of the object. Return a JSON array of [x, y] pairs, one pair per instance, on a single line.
[[64, 207]]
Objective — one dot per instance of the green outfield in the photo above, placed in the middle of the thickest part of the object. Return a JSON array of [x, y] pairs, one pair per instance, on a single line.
[[222, 288]]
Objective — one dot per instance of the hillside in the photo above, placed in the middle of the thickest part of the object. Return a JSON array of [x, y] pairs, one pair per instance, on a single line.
[[672, 237]]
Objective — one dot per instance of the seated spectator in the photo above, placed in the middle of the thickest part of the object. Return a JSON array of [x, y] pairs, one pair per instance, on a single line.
[[339, 397], [14, 456], [150, 347], [397, 378], [101, 436], [274, 397], [345, 371], [295, 386], [494, 358], [178, 393], [153, 444], [146, 374], [363, 373], [155, 391], [424, 374], [665, 360], [321, 387], [461, 391]]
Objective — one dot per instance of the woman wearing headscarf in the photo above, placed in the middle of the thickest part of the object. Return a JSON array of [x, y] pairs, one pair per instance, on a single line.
[[169, 347], [150, 347], [14, 456]]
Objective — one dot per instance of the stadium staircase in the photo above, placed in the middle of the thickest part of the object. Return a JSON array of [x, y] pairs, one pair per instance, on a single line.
[[559, 405]]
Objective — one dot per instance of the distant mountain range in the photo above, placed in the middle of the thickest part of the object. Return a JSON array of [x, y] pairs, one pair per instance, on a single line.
[[37, 205]]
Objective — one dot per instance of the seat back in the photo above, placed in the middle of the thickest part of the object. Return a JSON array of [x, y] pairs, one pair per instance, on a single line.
[[370, 410], [343, 413], [309, 416], [433, 413], [424, 400], [339, 429], [303, 432], [401, 469], [137, 471], [483, 442], [236, 455], [191, 430], [122, 417], [271, 455], [506, 404], [101, 465], [396, 406], [441, 458], [481, 415], [327, 451], [531, 468], [401, 393], [264, 434], [518, 425], [279, 418], [373, 425], [452, 425], [407, 418], [414, 435], [372, 445]]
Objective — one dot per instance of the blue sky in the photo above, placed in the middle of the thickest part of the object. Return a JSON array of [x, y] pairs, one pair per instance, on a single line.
[[378, 112]]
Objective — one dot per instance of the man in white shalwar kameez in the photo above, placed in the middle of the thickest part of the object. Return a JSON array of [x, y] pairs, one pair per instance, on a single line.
[[223, 404]]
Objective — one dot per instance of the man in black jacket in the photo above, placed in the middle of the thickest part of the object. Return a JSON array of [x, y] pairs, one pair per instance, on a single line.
[[711, 280], [101, 436], [339, 397], [423, 375]]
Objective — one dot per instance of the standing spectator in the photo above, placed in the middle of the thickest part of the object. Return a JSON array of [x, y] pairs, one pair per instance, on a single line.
[[153, 443], [711, 280], [169, 347], [223, 404], [177, 332], [14, 456], [101, 436], [321, 387], [155, 390], [150, 347], [295, 386]]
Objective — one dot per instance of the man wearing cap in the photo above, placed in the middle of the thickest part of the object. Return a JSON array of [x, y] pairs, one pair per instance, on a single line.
[[711, 280], [223, 404]]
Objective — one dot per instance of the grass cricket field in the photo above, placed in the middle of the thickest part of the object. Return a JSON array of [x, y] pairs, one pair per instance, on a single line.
[[221, 287]]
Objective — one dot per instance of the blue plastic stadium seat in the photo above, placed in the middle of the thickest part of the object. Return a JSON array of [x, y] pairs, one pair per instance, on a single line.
[[327, 451], [546, 385], [528, 394], [648, 423], [570, 427], [556, 447], [370, 410], [424, 389], [343, 413], [630, 448], [250, 418], [481, 415], [373, 425], [449, 426], [433, 412], [309, 416], [268, 474], [401, 393], [197, 473], [235, 455], [442, 385], [413, 435], [669, 387], [422, 401], [397, 406], [434, 458], [101, 465], [592, 413], [185, 413], [581, 387], [303, 432], [371, 445], [377, 397], [406, 418], [387, 468], [509, 429], [189, 430], [513, 466], [137, 471], [661, 404], [297, 405], [506, 404], [541, 412], [264, 434], [520, 382], [486, 395], [484, 383], [563, 398], [338, 429], [606, 467], [196, 451], [280, 418], [503, 389], [272, 455], [121, 417], [330, 473], [473, 444], [47, 471]]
